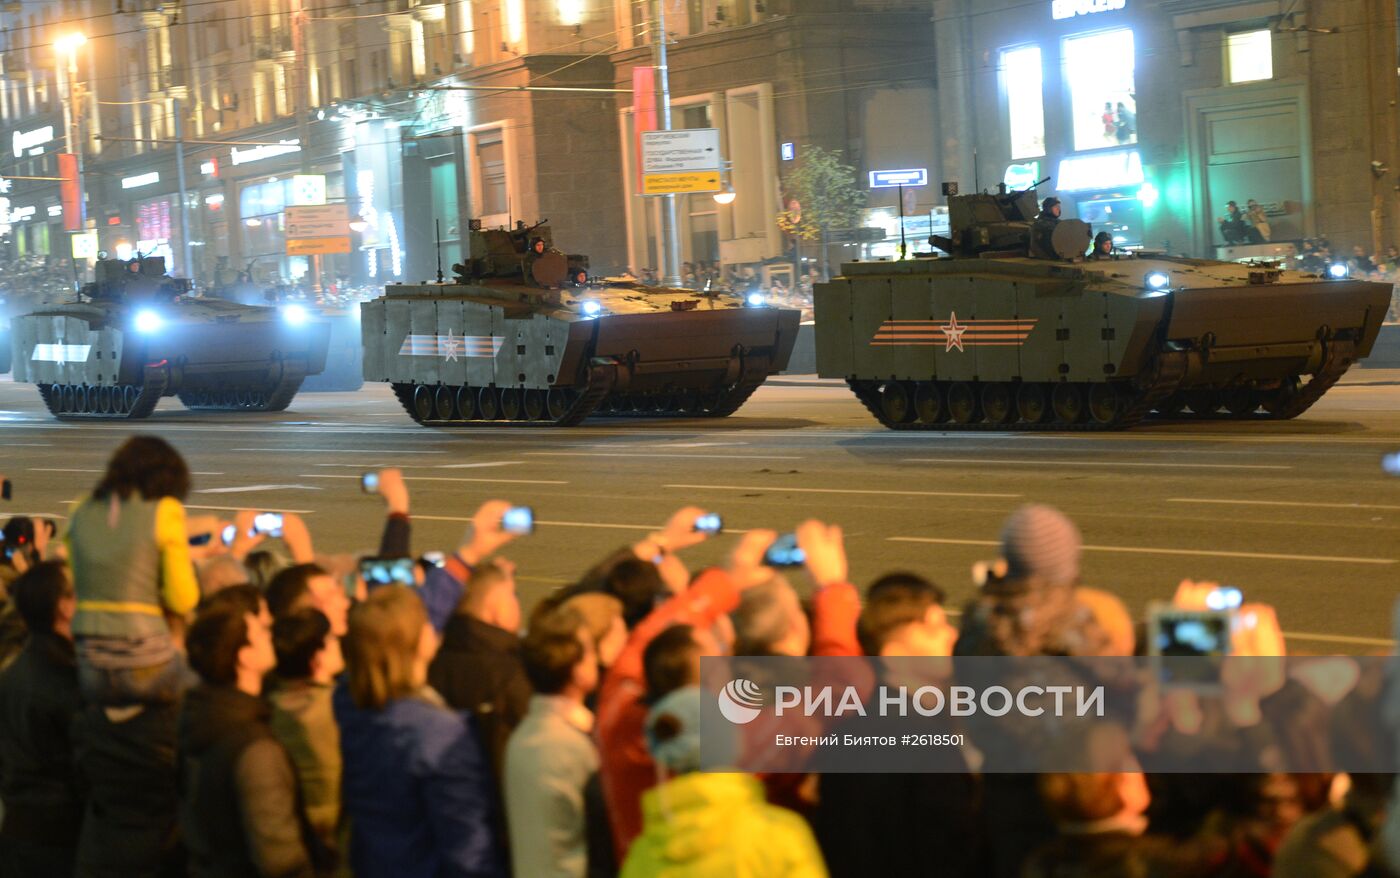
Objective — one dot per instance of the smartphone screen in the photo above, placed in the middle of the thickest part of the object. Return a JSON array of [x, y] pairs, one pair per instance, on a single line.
[[229, 533], [785, 553], [709, 523], [5, 489], [387, 571], [1225, 598], [519, 520], [369, 483], [1188, 646], [201, 539], [269, 523]]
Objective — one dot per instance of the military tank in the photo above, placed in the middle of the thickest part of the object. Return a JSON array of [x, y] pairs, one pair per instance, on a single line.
[[524, 335], [133, 336], [1016, 329]]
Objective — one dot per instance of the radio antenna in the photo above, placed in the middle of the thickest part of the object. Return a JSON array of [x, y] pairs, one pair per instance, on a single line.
[[437, 234]]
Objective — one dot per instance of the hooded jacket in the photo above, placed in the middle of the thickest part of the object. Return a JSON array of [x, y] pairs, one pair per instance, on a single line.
[[239, 808], [702, 825]]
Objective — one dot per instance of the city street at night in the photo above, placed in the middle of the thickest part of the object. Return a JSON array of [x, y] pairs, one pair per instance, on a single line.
[[1298, 514]]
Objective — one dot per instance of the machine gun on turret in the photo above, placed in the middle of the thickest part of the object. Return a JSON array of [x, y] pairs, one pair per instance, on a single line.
[[524, 254], [1005, 224]]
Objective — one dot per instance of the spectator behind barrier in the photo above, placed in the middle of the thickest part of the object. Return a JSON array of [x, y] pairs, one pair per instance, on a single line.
[[418, 792]]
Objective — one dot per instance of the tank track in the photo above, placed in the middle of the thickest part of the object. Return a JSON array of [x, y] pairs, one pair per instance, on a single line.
[[274, 398], [688, 403], [442, 406], [1289, 400], [943, 405], [124, 402]]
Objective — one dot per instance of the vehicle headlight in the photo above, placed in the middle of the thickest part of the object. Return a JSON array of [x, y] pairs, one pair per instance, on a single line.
[[1158, 280], [1338, 270], [295, 315], [592, 308], [755, 300], [147, 321]]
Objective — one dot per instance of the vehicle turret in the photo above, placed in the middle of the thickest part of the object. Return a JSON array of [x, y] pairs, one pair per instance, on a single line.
[[142, 279], [1006, 224], [524, 254]]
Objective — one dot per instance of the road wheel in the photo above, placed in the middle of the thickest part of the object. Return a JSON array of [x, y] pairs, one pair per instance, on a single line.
[[1106, 404], [129, 396], [1204, 402], [1032, 402], [488, 404], [1276, 401], [444, 403], [510, 404], [962, 403], [1241, 402], [422, 402], [998, 406], [68, 397], [466, 403], [896, 403], [928, 403], [558, 402], [534, 405], [1067, 401]]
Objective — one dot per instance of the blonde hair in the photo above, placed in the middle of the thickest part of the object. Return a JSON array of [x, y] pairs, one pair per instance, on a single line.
[[381, 646]]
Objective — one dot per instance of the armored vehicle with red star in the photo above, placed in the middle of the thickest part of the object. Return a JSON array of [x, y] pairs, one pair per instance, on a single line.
[[134, 335], [1016, 328], [522, 335]]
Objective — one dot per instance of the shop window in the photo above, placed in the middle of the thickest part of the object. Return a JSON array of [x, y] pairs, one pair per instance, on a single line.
[[1025, 102], [491, 171], [1250, 56], [1099, 72]]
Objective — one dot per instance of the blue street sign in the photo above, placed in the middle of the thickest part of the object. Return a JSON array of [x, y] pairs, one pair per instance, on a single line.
[[894, 179], [789, 151]]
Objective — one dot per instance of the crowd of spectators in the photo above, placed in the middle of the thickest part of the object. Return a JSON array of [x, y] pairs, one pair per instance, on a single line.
[[30, 281], [174, 705]]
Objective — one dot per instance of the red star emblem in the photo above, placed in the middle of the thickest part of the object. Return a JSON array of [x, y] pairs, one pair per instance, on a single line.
[[953, 333]]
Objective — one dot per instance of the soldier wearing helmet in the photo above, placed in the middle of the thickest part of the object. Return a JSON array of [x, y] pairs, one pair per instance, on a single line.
[[1103, 246], [1043, 231]]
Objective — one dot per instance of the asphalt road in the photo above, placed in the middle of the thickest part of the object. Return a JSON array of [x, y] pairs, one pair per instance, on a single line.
[[1294, 513]]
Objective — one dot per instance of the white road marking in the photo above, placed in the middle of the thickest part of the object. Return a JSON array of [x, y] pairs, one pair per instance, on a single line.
[[57, 469], [1287, 503], [27, 444], [587, 524], [249, 489], [783, 488], [341, 450], [443, 479], [1143, 550], [737, 456], [248, 509], [1340, 638], [988, 461], [485, 465], [37, 515]]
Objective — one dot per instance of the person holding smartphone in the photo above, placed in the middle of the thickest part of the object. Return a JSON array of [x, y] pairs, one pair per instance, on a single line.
[[130, 555]]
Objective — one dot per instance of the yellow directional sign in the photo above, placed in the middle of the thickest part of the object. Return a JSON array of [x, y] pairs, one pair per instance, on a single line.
[[317, 246], [675, 184]]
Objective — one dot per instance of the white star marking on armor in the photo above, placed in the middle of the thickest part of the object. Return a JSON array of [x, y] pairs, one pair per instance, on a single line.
[[953, 333], [452, 347]]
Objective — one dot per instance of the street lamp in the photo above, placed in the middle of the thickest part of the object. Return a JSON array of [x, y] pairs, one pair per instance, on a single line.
[[726, 195]]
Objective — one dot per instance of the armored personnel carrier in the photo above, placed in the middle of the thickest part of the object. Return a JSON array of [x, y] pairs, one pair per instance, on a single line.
[[1016, 329], [133, 337], [524, 335]]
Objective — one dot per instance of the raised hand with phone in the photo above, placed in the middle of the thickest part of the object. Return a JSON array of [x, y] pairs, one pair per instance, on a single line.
[[492, 527]]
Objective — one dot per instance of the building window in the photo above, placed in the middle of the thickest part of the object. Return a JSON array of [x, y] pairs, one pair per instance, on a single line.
[[1099, 74], [1249, 56], [1025, 103], [491, 169]]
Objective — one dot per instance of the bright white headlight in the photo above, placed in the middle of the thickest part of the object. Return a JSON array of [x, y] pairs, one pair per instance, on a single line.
[[295, 315], [1338, 270], [592, 308], [147, 321], [756, 300], [1158, 280]]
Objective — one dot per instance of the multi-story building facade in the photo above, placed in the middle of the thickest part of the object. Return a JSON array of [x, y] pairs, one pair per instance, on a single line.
[[422, 114], [1149, 116]]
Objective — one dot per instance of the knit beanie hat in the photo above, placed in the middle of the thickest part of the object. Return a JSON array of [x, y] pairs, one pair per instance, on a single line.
[[673, 731], [1039, 541]]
